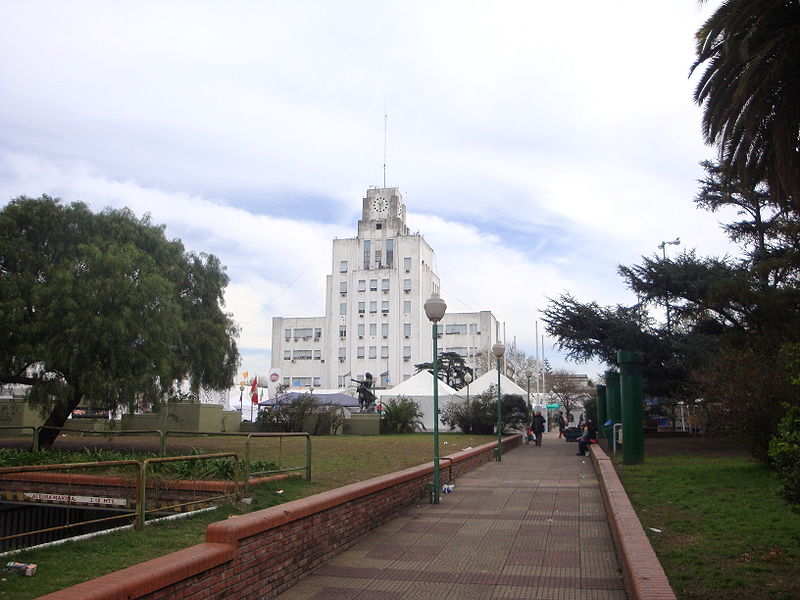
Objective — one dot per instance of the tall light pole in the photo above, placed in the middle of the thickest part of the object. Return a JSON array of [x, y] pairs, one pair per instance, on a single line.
[[468, 380], [498, 350], [663, 247], [434, 310], [530, 408]]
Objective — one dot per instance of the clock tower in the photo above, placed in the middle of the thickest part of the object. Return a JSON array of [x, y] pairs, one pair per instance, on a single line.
[[383, 213]]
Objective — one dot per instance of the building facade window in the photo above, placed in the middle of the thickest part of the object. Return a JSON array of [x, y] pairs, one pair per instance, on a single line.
[[342, 352], [361, 308], [373, 352], [406, 351], [373, 306], [360, 330], [407, 263], [384, 306], [373, 329], [407, 306], [473, 328], [407, 329], [343, 266], [317, 333], [406, 285], [389, 252], [455, 329], [342, 331], [343, 287], [362, 285], [287, 355], [343, 308], [373, 285], [360, 352], [378, 259], [317, 354], [302, 355], [287, 333], [385, 329], [303, 332], [367, 250], [384, 351], [384, 285]]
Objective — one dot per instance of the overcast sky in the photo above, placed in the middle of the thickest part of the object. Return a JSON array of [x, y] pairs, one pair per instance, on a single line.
[[537, 144]]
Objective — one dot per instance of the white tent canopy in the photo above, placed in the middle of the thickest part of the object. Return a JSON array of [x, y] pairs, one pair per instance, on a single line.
[[420, 388], [488, 379]]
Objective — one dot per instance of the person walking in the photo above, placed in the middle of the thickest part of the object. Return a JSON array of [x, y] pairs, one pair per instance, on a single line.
[[537, 426], [562, 424]]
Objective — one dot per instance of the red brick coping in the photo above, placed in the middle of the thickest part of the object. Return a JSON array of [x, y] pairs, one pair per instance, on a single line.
[[260, 554], [643, 575]]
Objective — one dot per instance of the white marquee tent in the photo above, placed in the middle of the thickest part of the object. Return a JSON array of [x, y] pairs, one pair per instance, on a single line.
[[488, 379], [420, 388]]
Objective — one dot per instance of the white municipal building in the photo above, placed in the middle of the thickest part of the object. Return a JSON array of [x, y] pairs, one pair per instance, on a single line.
[[374, 318]]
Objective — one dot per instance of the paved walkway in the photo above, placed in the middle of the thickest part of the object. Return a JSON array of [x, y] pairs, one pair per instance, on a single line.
[[510, 530]]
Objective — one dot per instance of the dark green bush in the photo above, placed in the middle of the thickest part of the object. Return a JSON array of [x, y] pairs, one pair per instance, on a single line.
[[401, 415], [784, 450]]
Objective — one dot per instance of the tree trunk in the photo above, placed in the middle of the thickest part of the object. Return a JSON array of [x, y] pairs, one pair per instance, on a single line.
[[54, 423]]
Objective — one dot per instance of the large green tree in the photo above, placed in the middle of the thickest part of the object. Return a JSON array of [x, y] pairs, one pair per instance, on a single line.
[[750, 92], [727, 311], [102, 309]]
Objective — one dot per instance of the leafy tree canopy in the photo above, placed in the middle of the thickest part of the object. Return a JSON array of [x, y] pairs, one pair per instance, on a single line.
[[452, 368], [102, 308], [749, 300]]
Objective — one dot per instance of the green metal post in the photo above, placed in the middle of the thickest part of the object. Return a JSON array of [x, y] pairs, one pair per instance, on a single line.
[[612, 402], [630, 365], [499, 451], [602, 410], [437, 484]]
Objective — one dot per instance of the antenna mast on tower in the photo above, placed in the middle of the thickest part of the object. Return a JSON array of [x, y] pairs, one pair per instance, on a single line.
[[385, 134]]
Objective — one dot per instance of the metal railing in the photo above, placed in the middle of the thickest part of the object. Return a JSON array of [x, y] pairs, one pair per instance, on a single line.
[[70, 497], [161, 443], [34, 433], [142, 510], [138, 483], [247, 473]]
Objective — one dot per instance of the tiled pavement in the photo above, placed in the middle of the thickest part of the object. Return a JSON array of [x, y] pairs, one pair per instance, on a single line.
[[529, 527]]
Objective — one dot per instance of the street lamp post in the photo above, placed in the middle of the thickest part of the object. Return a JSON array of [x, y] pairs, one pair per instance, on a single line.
[[663, 247], [434, 310], [530, 408], [498, 350], [468, 380]]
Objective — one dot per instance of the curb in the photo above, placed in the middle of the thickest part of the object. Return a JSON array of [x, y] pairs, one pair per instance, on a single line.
[[643, 574]]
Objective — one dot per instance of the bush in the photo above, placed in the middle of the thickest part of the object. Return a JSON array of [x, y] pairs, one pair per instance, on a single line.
[[401, 415], [329, 419], [784, 450], [478, 417]]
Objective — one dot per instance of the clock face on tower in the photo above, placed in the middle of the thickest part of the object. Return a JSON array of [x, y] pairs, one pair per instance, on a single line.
[[380, 207]]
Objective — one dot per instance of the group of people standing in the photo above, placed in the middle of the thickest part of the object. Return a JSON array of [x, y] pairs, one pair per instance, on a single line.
[[588, 430]]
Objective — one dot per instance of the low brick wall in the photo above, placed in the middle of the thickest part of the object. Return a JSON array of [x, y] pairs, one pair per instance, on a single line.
[[263, 553], [642, 572]]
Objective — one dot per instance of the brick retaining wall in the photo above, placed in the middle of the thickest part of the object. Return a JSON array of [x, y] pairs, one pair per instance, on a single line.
[[642, 572], [261, 554]]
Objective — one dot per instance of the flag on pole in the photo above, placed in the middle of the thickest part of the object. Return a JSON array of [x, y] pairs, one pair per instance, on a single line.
[[254, 391]]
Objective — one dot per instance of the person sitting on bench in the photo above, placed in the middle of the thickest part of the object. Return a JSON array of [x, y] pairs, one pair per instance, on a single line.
[[589, 437]]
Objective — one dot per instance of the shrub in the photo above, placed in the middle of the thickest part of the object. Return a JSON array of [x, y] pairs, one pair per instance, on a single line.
[[401, 415], [478, 416], [784, 450], [329, 419]]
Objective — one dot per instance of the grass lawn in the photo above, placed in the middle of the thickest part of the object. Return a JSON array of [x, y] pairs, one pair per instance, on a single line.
[[724, 534], [336, 461]]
